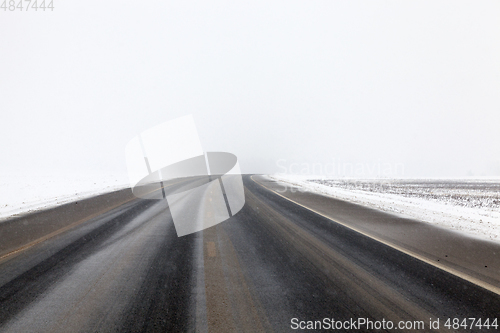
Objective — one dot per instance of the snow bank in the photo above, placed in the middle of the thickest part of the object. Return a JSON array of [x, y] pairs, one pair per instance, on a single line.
[[26, 194], [470, 206]]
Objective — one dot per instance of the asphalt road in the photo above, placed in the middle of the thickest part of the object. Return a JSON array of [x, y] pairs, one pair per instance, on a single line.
[[126, 270]]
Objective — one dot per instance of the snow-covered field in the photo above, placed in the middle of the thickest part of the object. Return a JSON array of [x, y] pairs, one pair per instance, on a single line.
[[25, 194], [471, 206]]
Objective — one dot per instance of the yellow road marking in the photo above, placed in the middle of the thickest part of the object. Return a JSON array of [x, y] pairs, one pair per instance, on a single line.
[[218, 306], [57, 232], [74, 224], [211, 249]]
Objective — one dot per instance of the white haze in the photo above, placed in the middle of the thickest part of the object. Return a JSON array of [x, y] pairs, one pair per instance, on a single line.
[[413, 83]]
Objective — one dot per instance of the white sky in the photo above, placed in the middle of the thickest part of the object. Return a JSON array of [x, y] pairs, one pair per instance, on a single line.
[[412, 82]]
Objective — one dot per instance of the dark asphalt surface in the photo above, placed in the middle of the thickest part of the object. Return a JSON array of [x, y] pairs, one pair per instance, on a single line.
[[126, 270]]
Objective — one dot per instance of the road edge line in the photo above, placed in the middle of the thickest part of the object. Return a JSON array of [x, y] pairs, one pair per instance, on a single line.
[[445, 268]]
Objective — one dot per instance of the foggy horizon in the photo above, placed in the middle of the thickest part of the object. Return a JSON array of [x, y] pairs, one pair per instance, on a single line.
[[282, 85]]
